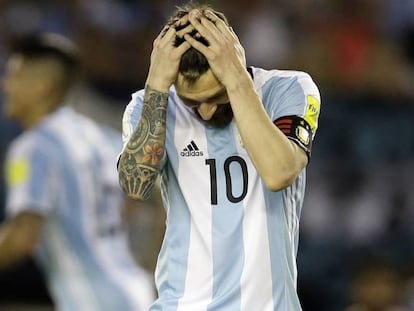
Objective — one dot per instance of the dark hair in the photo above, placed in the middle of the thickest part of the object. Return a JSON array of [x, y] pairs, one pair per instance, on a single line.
[[193, 63], [50, 45]]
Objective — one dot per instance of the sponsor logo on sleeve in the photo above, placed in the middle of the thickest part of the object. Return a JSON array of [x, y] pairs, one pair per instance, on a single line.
[[17, 171], [312, 111]]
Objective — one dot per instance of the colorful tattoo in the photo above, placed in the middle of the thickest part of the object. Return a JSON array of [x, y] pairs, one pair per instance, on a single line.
[[144, 155]]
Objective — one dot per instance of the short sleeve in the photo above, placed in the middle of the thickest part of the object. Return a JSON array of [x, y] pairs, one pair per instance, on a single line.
[[292, 100], [293, 94], [132, 115], [30, 176]]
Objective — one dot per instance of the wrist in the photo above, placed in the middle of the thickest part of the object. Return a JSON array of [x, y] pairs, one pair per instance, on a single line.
[[159, 98], [158, 85], [243, 81]]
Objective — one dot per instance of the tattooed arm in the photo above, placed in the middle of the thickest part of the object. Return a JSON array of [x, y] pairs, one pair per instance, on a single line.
[[144, 154]]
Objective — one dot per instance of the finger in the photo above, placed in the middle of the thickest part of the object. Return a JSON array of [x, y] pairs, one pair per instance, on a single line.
[[166, 35], [181, 22], [163, 31], [218, 23], [198, 46], [188, 29], [182, 48], [195, 18], [170, 33], [233, 34], [217, 27]]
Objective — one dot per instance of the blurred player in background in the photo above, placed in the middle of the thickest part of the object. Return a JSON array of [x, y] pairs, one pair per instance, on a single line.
[[231, 145], [63, 200]]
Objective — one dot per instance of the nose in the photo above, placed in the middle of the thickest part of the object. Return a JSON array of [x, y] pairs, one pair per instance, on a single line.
[[206, 111]]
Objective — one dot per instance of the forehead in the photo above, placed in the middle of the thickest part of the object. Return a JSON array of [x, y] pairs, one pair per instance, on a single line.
[[205, 87]]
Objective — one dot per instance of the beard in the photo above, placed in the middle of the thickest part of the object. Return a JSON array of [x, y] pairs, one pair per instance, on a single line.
[[221, 118]]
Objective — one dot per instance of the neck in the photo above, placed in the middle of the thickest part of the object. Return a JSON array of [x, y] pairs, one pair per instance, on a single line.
[[35, 117]]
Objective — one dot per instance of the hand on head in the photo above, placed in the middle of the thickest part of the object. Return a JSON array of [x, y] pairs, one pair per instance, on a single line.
[[204, 31], [165, 59], [223, 49]]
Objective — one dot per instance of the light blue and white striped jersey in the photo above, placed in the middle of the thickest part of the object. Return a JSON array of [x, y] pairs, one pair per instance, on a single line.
[[64, 169], [230, 243]]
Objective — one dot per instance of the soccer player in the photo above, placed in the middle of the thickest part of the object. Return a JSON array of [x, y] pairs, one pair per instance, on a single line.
[[231, 144], [63, 197]]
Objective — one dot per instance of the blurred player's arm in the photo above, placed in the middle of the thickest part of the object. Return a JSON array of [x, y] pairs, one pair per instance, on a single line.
[[19, 237]]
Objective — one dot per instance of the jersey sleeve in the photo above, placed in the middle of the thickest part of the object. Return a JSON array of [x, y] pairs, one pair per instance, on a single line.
[[130, 119], [132, 115], [31, 179], [293, 103]]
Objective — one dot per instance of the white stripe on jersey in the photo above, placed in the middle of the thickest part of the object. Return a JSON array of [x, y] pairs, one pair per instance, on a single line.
[[76, 288], [199, 278], [256, 250]]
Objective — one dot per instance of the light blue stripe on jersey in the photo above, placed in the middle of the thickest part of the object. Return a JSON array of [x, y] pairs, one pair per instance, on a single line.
[[73, 230], [227, 224], [280, 250], [41, 170], [281, 219], [177, 231], [300, 194], [275, 89], [105, 291]]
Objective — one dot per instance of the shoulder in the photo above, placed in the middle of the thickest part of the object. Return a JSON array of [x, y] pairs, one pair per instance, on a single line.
[[23, 144], [134, 106], [138, 96], [282, 78]]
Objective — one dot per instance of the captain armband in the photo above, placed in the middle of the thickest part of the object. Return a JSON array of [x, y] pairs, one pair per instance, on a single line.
[[298, 130]]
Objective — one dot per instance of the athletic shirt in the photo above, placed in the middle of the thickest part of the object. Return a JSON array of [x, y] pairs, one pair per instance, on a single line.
[[230, 243], [64, 170]]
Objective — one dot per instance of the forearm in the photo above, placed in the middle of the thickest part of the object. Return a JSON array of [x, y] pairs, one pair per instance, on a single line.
[[10, 252], [144, 154], [276, 158]]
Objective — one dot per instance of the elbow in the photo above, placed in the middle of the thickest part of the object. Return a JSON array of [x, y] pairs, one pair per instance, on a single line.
[[135, 197], [284, 173], [137, 182], [278, 182], [24, 249], [136, 192], [17, 249]]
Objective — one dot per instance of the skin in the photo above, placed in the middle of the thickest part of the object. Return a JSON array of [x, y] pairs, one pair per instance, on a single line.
[[226, 83], [19, 237]]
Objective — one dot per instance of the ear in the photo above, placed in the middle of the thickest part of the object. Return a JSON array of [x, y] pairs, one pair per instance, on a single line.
[[47, 88], [46, 76]]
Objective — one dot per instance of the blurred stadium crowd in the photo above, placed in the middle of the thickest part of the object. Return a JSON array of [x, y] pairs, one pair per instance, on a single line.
[[357, 237]]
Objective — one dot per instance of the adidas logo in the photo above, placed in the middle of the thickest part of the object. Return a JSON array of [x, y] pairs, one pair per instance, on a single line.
[[191, 150]]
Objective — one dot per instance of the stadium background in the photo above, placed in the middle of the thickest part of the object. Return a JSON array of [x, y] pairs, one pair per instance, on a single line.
[[356, 228]]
